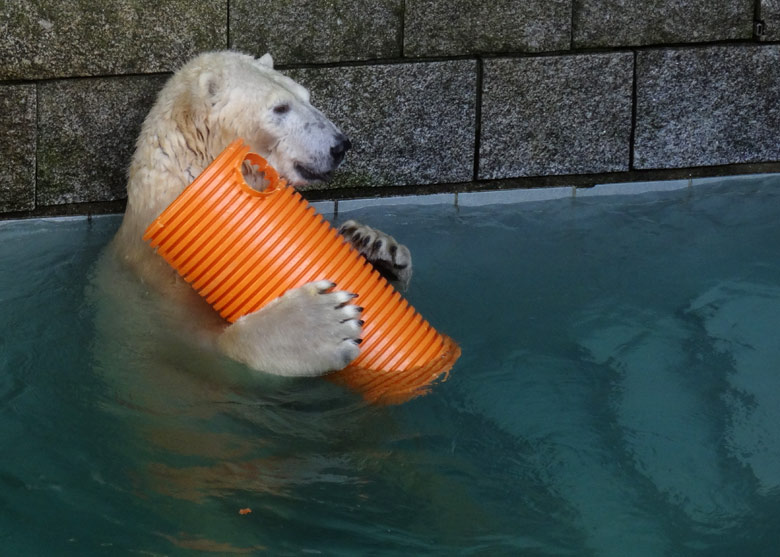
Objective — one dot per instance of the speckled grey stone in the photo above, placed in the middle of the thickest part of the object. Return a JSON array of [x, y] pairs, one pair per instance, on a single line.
[[451, 27], [316, 30], [52, 38], [17, 147], [770, 13], [87, 134], [599, 23], [408, 123], [707, 106], [556, 115]]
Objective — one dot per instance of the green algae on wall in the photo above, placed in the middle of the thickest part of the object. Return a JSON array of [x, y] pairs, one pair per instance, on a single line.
[[306, 31], [17, 148], [87, 129], [52, 38]]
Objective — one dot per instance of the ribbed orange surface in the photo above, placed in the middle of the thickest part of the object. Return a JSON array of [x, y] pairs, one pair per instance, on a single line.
[[240, 249]]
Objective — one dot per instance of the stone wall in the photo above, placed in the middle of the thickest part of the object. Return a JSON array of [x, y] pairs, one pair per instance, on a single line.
[[437, 95]]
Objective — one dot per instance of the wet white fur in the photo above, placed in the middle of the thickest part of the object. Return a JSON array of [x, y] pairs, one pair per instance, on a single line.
[[212, 100]]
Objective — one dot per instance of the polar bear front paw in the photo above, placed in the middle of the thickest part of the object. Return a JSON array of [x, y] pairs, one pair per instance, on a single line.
[[308, 331], [391, 259]]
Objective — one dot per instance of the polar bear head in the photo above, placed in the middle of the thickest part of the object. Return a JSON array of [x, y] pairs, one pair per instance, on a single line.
[[221, 96], [273, 114], [212, 100]]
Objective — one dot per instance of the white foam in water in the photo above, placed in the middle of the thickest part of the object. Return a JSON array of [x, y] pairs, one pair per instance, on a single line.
[[618, 394]]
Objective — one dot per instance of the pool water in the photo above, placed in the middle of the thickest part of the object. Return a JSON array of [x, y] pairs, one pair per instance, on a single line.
[[618, 394]]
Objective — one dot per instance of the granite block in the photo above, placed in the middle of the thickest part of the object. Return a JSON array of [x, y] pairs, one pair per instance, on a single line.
[[295, 31], [17, 148], [601, 23], [451, 27], [87, 130], [770, 13], [410, 123], [51, 38], [556, 115], [707, 106]]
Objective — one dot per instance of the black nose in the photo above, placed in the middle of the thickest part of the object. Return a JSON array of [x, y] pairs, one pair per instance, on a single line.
[[338, 150]]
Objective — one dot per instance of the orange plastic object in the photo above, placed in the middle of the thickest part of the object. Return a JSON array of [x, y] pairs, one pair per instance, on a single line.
[[241, 248]]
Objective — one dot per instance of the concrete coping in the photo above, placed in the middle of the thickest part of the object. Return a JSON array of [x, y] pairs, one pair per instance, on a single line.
[[499, 197]]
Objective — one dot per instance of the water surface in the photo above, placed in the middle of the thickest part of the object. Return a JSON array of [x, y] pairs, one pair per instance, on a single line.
[[618, 393]]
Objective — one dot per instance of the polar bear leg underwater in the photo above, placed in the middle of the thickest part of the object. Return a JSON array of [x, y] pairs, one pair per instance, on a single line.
[[212, 100]]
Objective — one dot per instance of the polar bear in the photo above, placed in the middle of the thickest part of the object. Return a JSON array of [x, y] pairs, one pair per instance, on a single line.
[[212, 100]]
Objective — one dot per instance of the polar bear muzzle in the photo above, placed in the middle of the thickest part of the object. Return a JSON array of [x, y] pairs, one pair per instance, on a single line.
[[337, 152]]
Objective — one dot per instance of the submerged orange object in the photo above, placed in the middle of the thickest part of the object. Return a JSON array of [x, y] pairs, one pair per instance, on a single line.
[[241, 248]]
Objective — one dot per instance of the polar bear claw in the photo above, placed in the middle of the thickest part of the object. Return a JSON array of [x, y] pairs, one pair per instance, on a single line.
[[309, 330], [391, 259]]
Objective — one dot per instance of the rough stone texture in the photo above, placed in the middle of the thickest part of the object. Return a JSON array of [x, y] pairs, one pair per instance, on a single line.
[[451, 27], [17, 147], [52, 38], [707, 106], [316, 30], [770, 13], [600, 23], [556, 115], [409, 123], [87, 134]]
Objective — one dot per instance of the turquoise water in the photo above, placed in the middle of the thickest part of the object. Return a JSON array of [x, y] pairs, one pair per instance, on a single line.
[[618, 394]]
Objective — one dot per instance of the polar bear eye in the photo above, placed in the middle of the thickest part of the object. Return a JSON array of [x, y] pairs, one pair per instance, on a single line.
[[282, 108]]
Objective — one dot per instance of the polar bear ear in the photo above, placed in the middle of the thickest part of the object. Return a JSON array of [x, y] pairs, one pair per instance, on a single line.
[[209, 84], [266, 60]]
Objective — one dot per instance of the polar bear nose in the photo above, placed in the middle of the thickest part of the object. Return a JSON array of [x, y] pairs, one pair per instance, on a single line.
[[339, 149]]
